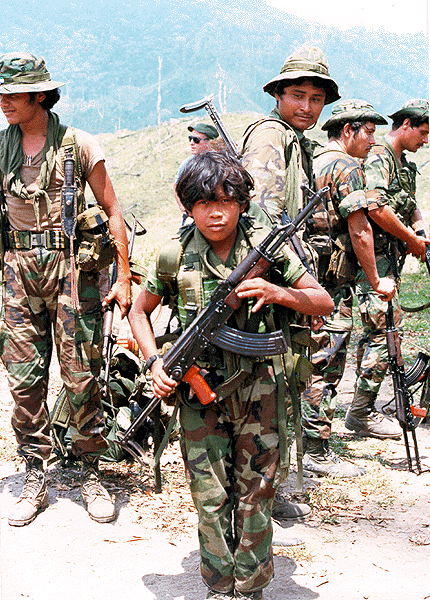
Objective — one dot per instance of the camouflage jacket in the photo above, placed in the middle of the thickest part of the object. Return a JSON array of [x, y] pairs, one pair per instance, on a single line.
[[394, 179], [279, 159], [344, 176]]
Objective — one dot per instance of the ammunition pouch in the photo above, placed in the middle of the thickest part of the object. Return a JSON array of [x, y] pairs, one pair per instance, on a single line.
[[97, 248], [322, 245], [343, 264]]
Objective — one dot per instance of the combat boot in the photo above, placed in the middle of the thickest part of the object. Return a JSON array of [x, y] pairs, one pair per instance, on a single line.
[[34, 496], [98, 502], [284, 510], [320, 461], [364, 420]]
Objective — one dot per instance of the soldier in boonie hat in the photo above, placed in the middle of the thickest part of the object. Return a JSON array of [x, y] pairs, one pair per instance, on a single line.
[[209, 131], [353, 110], [412, 108], [41, 214], [308, 62], [21, 72]]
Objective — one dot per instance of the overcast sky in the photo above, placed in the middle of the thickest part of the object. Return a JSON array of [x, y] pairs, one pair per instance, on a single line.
[[400, 16]]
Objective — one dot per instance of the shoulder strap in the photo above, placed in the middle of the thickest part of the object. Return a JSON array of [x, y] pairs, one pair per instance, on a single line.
[[253, 126]]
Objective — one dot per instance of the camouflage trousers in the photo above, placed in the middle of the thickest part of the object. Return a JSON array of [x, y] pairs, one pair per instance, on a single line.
[[37, 310], [319, 399], [232, 462], [372, 355]]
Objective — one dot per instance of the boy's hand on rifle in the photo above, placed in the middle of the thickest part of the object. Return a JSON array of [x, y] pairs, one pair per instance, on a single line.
[[385, 288], [162, 384], [264, 291]]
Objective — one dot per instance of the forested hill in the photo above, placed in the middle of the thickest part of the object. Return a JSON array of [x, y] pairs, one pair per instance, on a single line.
[[114, 56]]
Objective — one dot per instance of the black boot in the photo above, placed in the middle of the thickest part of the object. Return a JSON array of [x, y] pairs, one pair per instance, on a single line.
[[98, 502], [34, 496]]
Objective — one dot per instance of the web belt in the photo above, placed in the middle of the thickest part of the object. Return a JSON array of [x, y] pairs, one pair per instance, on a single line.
[[26, 240]]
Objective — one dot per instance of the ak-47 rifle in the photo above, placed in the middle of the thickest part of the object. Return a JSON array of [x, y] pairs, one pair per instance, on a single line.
[[109, 338], [406, 411], [209, 327]]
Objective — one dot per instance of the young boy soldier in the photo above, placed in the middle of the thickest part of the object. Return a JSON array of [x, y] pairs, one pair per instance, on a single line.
[[389, 173], [38, 284], [232, 449], [350, 131]]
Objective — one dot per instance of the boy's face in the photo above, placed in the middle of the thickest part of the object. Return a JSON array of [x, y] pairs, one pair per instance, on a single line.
[[217, 219], [301, 105]]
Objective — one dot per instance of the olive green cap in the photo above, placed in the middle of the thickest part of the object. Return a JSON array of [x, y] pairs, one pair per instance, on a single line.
[[353, 110], [22, 72], [412, 108], [309, 62], [208, 130]]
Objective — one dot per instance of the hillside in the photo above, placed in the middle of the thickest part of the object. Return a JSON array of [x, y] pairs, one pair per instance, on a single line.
[[143, 165], [131, 66]]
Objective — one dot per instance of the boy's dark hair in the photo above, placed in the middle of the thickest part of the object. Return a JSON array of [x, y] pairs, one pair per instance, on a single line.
[[51, 98], [335, 131], [415, 121], [205, 173], [319, 83]]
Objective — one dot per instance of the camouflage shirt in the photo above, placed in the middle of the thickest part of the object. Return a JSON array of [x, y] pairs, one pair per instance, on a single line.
[[327, 229], [343, 174], [279, 159], [394, 179]]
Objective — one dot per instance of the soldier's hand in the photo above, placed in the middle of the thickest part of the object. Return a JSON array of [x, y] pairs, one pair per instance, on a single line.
[[417, 246], [386, 288]]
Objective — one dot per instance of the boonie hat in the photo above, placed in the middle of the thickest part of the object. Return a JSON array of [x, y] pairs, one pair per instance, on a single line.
[[22, 72], [208, 130], [412, 108], [353, 110], [309, 62]]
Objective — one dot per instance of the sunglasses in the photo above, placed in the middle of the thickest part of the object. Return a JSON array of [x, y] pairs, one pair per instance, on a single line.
[[197, 140]]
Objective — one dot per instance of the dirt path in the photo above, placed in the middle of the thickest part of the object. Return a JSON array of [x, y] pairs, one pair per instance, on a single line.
[[367, 539]]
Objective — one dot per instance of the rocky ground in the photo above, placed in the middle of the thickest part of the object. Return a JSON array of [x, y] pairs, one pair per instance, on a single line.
[[367, 539]]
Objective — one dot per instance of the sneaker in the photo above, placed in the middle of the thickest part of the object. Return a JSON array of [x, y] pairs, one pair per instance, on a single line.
[[34, 496], [320, 461], [98, 502]]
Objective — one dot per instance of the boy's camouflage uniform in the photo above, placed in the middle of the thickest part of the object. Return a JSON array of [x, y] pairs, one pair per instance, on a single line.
[[396, 182], [232, 452]]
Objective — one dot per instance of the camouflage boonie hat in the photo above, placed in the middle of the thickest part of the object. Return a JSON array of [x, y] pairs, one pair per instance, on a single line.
[[412, 108], [309, 62], [22, 72], [208, 130], [353, 110]]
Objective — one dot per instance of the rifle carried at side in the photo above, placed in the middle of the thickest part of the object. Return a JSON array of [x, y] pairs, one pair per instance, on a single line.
[[406, 412], [209, 326], [109, 338]]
